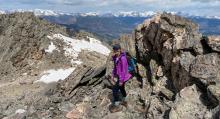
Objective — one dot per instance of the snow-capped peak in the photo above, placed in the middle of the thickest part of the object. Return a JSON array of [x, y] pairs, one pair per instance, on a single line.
[[39, 12], [134, 14], [89, 14], [2, 12], [213, 17]]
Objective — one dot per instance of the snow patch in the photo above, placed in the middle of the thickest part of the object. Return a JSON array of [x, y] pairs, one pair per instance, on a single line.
[[20, 111], [93, 40], [38, 12], [74, 46], [51, 48], [78, 62], [50, 37], [134, 14], [89, 14], [55, 75]]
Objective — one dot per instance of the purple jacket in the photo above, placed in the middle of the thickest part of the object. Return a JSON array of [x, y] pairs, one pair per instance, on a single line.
[[121, 68]]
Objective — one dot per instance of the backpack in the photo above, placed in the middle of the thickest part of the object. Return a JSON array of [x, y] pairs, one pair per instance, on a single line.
[[132, 63]]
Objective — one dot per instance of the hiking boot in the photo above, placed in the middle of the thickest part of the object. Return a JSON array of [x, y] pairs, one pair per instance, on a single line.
[[114, 108], [141, 85], [124, 103]]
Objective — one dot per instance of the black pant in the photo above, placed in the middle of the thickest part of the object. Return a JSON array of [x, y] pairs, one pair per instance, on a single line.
[[116, 89]]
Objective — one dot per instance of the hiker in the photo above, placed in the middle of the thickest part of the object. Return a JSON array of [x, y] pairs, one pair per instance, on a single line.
[[132, 68], [120, 72]]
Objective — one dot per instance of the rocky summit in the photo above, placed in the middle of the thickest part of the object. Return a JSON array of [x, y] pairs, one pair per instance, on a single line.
[[48, 73]]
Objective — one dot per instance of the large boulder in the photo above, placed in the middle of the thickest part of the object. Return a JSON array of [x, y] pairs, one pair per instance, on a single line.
[[189, 105], [206, 67]]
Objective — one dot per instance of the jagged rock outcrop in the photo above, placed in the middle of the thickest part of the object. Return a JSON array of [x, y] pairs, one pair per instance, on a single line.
[[174, 42], [175, 55], [175, 45]]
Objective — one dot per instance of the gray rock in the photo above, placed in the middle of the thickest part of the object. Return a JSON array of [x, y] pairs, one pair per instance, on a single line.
[[214, 42], [117, 115], [214, 93], [93, 73], [188, 105], [206, 67], [127, 43], [67, 87], [19, 114], [180, 70], [157, 108], [161, 88], [216, 112]]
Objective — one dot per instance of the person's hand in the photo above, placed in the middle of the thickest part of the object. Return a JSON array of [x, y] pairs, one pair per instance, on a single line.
[[112, 80], [120, 83]]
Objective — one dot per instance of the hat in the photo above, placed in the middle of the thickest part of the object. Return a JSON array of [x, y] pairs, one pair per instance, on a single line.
[[116, 47]]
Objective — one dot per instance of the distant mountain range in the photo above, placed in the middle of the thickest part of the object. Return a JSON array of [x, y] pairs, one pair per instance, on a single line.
[[40, 12], [110, 25]]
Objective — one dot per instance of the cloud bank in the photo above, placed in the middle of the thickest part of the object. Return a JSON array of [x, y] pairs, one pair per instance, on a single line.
[[196, 7]]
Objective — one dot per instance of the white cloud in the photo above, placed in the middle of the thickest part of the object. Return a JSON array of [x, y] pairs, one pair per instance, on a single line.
[[195, 6]]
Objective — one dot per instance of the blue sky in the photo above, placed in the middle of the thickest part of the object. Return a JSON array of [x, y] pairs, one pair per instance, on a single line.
[[196, 7]]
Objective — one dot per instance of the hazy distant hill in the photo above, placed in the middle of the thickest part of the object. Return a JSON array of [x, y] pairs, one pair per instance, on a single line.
[[105, 27], [208, 26], [111, 27]]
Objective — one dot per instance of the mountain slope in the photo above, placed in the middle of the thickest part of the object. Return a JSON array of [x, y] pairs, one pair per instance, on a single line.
[[34, 56]]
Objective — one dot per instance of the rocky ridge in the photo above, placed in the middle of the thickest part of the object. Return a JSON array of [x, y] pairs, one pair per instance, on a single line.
[[179, 67]]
